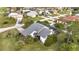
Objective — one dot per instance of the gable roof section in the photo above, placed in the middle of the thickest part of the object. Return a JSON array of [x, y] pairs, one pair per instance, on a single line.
[[43, 30]]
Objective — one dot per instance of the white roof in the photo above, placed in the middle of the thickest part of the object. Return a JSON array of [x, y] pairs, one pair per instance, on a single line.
[[76, 14], [13, 15], [16, 16], [32, 13]]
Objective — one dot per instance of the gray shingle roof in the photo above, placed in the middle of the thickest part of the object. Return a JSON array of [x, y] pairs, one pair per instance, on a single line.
[[37, 27], [41, 31]]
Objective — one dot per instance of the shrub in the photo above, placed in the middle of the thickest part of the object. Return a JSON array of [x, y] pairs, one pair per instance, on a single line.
[[50, 40], [27, 22], [59, 26], [46, 23]]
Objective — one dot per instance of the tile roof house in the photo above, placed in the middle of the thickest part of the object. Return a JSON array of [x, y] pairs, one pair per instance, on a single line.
[[69, 18]]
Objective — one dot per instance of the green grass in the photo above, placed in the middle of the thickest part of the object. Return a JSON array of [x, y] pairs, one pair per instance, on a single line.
[[12, 40], [5, 21]]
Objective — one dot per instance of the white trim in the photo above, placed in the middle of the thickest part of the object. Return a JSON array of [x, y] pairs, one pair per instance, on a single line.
[[43, 39]]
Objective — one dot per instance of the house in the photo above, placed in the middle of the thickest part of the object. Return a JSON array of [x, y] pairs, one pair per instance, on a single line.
[[37, 30], [70, 18], [65, 20], [17, 16], [13, 15], [32, 14]]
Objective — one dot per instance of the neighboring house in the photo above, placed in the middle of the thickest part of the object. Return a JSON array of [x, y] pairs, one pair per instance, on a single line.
[[32, 14], [65, 20], [13, 15], [16, 16], [38, 30], [72, 18]]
